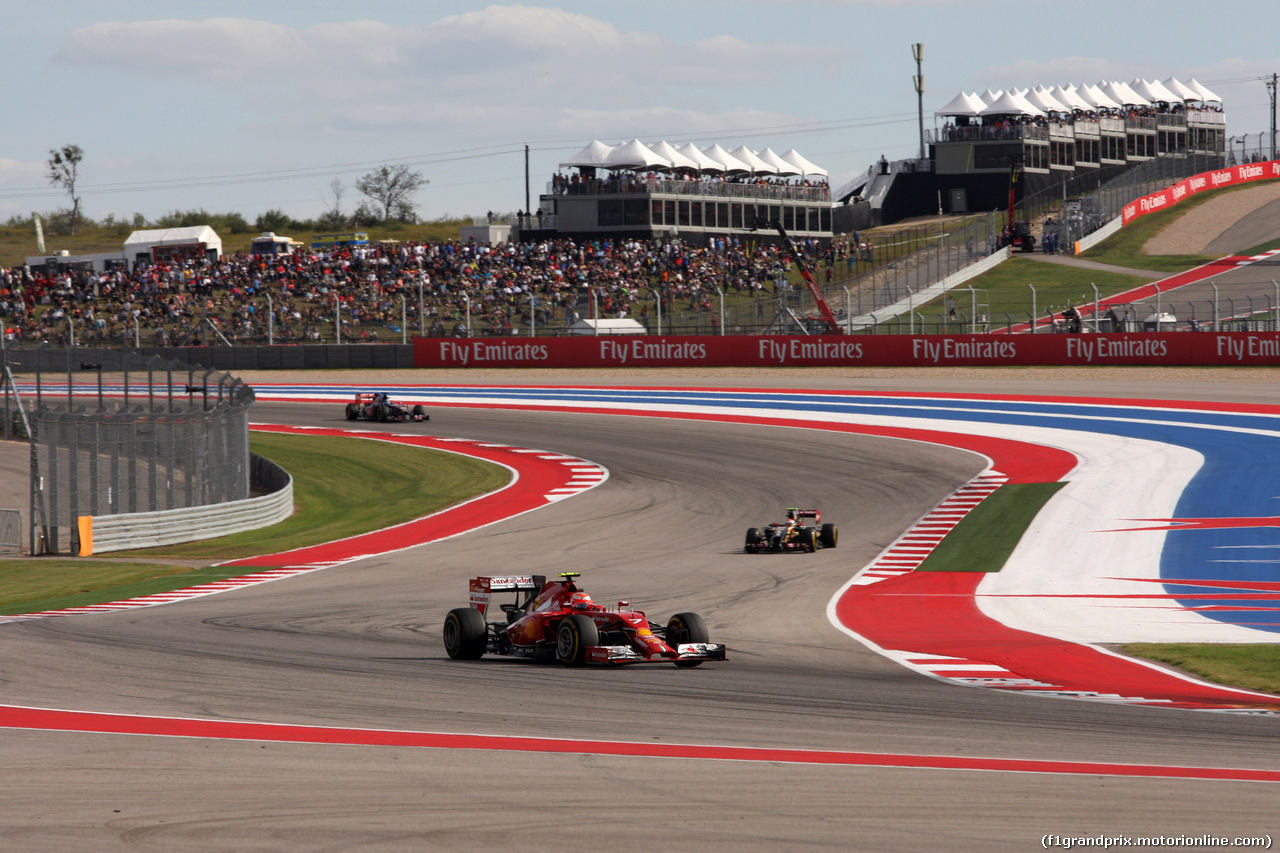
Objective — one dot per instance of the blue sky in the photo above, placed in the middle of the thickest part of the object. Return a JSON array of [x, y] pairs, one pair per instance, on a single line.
[[248, 106]]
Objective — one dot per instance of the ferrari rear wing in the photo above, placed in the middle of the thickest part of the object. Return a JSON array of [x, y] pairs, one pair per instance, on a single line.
[[806, 513], [483, 588]]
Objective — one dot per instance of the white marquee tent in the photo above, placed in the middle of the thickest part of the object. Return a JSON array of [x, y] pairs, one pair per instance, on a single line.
[[758, 166], [635, 155], [795, 158], [592, 156], [727, 162], [149, 241]]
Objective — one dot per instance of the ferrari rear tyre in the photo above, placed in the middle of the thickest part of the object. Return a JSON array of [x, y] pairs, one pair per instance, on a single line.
[[829, 536], [575, 634], [752, 544], [464, 633], [352, 411], [686, 628], [809, 539]]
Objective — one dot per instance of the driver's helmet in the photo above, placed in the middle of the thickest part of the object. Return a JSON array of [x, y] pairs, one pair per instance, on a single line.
[[580, 601]]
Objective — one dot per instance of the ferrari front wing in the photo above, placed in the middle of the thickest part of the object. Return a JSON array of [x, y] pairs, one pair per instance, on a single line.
[[628, 655]]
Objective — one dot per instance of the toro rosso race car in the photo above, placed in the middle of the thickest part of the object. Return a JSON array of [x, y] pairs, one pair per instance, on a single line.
[[377, 406], [558, 621], [793, 534]]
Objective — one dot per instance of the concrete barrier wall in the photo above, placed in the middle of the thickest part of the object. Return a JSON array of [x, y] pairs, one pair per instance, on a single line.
[[1086, 243], [169, 527]]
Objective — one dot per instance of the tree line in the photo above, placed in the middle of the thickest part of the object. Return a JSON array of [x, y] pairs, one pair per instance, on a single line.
[[388, 201]]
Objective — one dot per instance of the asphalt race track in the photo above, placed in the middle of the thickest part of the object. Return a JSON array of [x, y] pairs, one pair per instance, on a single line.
[[358, 647]]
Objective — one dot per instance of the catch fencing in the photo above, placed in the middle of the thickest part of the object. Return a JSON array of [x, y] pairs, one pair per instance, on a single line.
[[116, 433], [1084, 204]]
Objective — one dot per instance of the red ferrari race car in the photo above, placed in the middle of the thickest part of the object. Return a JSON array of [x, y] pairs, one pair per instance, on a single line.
[[793, 534], [377, 406], [558, 621]]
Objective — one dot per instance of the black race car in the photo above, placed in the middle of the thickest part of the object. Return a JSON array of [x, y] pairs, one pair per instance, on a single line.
[[377, 406], [793, 534]]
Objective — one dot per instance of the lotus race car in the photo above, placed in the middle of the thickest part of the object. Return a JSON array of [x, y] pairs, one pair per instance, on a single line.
[[377, 406], [558, 621], [793, 534]]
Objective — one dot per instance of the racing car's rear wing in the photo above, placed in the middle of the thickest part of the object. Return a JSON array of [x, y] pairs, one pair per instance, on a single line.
[[482, 589], [806, 513]]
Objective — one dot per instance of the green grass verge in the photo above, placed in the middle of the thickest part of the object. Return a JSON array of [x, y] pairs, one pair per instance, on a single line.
[[1005, 290], [345, 486], [1262, 247], [342, 487], [1125, 248], [1253, 667], [33, 585], [984, 539]]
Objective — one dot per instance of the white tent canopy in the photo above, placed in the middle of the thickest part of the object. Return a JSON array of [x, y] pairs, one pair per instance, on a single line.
[[701, 161], [1097, 98], [714, 158], [676, 158], [758, 166], [782, 167], [1011, 104], [962, 105], [1122, 94], [1184, 92], [1206, 94], [592, 156], [1070, 97], [1153, 91], [727, 162], [635, 155], [795, 158], [1041, 98]]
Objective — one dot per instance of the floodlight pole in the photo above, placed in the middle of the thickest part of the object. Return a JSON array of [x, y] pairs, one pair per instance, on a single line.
[[917, 51], [1271, 89]]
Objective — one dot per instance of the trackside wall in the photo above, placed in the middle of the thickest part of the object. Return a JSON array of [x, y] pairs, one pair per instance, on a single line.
[[169, 527], [1207, 349]]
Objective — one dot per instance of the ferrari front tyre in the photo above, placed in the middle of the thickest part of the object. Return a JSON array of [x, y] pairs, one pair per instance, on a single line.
[[809, 539], [686, 628], [753, 540], [464, 633], [420, 413], [380, 414], [575, 634], [829, 536], [352, 411]]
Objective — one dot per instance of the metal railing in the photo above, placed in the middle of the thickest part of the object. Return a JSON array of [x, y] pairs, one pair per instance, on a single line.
[[745, 189]]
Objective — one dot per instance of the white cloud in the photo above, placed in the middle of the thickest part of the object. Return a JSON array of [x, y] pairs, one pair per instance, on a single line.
[[502, 52], [481, 73], [27, 173]]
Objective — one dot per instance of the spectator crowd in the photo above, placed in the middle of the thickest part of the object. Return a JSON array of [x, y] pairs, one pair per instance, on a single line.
[[374, 291]]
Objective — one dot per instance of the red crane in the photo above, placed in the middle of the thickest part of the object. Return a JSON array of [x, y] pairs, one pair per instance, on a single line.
[[816, 291]]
